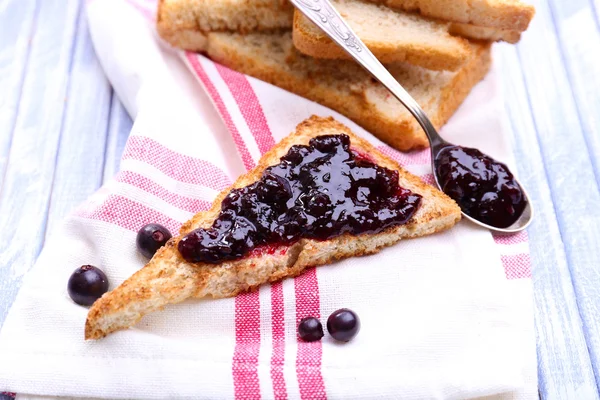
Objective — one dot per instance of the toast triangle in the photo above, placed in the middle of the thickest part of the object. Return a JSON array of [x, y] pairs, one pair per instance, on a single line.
[[168, 279]]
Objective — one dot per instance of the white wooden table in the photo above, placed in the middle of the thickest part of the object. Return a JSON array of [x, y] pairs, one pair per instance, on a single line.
[[62, 130]]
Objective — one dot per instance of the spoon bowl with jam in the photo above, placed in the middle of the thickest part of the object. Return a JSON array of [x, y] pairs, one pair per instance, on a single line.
[[485, 189]]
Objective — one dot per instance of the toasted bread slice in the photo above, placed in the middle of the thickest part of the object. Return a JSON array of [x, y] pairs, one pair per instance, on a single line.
[[513, 15], [392, 36], [347, 88], [169, 279], [184, 23]]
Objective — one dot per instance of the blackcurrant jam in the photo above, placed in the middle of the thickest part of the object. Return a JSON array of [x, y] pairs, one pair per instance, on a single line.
[[317, 191], [484, 188]]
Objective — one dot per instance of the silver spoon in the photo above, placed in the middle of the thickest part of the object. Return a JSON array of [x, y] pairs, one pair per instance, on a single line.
[[326, 17]]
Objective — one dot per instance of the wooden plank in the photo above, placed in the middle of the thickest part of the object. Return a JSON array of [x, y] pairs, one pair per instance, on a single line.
[[579, 42], [565, 365], [596, 10], [17, 22], [80, 161], [118, 131], [563, 360], [26, 189], [573, 162]]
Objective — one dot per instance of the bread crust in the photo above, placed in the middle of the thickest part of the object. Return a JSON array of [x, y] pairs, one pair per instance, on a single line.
[[485, 33], [168, 279]]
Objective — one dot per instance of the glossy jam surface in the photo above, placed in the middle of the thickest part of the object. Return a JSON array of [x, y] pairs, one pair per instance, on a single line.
[[317, 191], [483, 188]]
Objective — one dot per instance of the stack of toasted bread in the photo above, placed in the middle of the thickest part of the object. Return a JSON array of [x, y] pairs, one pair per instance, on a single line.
[[437, 49]]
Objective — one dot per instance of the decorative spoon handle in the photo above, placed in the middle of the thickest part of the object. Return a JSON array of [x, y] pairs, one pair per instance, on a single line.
[[326, 17]]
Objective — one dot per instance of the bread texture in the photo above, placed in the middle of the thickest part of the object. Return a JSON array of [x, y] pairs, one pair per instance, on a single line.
[[484, 33], [513, 15], [185, 23], [169, 279], [392, 36], [347, 88]]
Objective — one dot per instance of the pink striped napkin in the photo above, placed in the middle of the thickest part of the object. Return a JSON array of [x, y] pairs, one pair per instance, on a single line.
[[446, 317]]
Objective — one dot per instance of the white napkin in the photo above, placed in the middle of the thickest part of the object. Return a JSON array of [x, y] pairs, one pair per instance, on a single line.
[[443, 317]]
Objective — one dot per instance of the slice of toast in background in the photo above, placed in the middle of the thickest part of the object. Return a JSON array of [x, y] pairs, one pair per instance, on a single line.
[[345, 87], [392, 36], [513, 15], [169, 279]]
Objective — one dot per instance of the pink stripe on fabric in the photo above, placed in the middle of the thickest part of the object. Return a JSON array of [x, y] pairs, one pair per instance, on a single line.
[[517, 266], [128, 214], [149, 186], [278, 329], [175, 165], [246, 99], [218, 101], [420, 157], [308, 359], [247, 346], [251, 110], [516, 238]]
